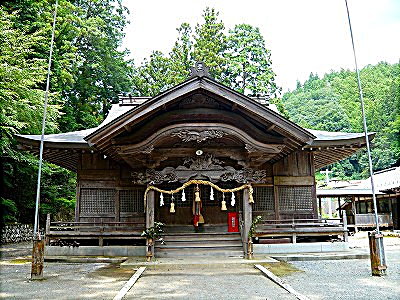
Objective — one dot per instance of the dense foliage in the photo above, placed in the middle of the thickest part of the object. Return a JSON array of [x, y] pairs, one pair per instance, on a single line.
[[88, 72], [332, 103]]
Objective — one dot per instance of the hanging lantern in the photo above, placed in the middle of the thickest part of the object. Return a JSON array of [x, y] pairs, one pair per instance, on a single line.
[[233, 200], [223, 203], [183, 195], [212, 194], [161, 199], [172, 208], [197, 194]]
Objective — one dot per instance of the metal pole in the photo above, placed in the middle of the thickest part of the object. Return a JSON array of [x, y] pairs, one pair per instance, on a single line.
[[38, 245], [379, 237]]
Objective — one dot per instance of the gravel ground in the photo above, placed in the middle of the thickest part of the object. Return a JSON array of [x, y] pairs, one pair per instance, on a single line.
[[15, 250], [242, 282], [62, 281], [335, 279], [349, 279]]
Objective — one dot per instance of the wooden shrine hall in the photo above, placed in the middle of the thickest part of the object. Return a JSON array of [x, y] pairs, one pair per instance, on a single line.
[[201, 152]]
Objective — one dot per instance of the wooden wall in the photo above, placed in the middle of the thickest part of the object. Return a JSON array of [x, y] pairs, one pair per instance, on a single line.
[[96, 172], [292, 189], [290, 186]]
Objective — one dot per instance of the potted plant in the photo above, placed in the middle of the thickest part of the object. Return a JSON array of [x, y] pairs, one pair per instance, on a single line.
[[252, 231], [152, 234]]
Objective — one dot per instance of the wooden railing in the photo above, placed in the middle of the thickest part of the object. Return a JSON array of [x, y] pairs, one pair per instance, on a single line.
[[368, 220], [93, 230], [302, 227]]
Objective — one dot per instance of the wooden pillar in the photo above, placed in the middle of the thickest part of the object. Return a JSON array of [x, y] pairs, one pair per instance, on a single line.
[[340, 208], [276, 202], [346, 232], [117, 206], [150, 199], [47, 237], [320, 207], [247, 218], [78, 202], [354, 209]]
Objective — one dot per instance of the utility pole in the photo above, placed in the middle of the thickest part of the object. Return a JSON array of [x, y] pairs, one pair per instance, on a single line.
[[38, 242], [377, 252], [326, 172]]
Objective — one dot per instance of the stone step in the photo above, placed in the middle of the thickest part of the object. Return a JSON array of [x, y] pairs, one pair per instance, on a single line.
[[170, 253], [201, 239], [201, 234], [211, 246], [191, 229]]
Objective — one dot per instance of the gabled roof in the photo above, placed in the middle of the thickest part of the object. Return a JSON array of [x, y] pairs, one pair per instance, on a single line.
[[329, 147], [191, 85]]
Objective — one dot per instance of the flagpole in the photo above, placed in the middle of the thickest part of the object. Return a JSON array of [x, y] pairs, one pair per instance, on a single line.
[[38, 244], [376, 236]]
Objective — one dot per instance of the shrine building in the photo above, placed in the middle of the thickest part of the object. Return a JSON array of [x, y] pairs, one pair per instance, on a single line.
[[201, 158]]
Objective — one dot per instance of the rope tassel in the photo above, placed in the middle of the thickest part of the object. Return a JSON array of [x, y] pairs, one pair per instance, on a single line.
[[212, 194], [183, 195], [172, 208], [161, 199]]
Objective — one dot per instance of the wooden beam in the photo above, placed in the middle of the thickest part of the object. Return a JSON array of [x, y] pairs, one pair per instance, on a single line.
[[291, 180]]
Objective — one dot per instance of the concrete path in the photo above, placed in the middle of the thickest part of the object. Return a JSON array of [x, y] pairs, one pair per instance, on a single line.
[[236, 282]]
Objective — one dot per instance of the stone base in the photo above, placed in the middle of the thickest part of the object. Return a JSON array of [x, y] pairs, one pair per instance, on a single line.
[[300, 248], [95, 251]]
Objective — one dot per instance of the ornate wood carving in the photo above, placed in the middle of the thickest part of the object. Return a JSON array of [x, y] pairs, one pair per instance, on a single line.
[[199, 136], [245, 175], [199, 100], [199, 69], [203, 167]]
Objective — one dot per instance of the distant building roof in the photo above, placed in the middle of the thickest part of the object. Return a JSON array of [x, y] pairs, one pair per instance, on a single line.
[[385, 182]]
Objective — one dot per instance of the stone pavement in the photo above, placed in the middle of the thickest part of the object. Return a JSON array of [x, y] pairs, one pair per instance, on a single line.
[[236, 282]]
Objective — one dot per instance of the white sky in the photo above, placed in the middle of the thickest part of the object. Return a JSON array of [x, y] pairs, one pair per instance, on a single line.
[[303, 36]]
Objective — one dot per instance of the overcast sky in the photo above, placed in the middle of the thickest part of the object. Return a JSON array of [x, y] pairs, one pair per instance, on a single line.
[[303, 36]]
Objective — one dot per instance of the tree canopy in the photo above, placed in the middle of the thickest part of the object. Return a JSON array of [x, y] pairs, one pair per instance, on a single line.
[[88, 72], [332, 103], [238, 58]]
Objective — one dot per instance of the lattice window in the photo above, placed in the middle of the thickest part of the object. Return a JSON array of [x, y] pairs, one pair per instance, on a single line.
[[293, 198], [304, 198], [97, 202], [263, 198], [131, 201]]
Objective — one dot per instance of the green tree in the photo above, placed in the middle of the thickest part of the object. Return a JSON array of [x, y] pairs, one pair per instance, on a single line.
[[88, 72], [210, 44], [249, 69]]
